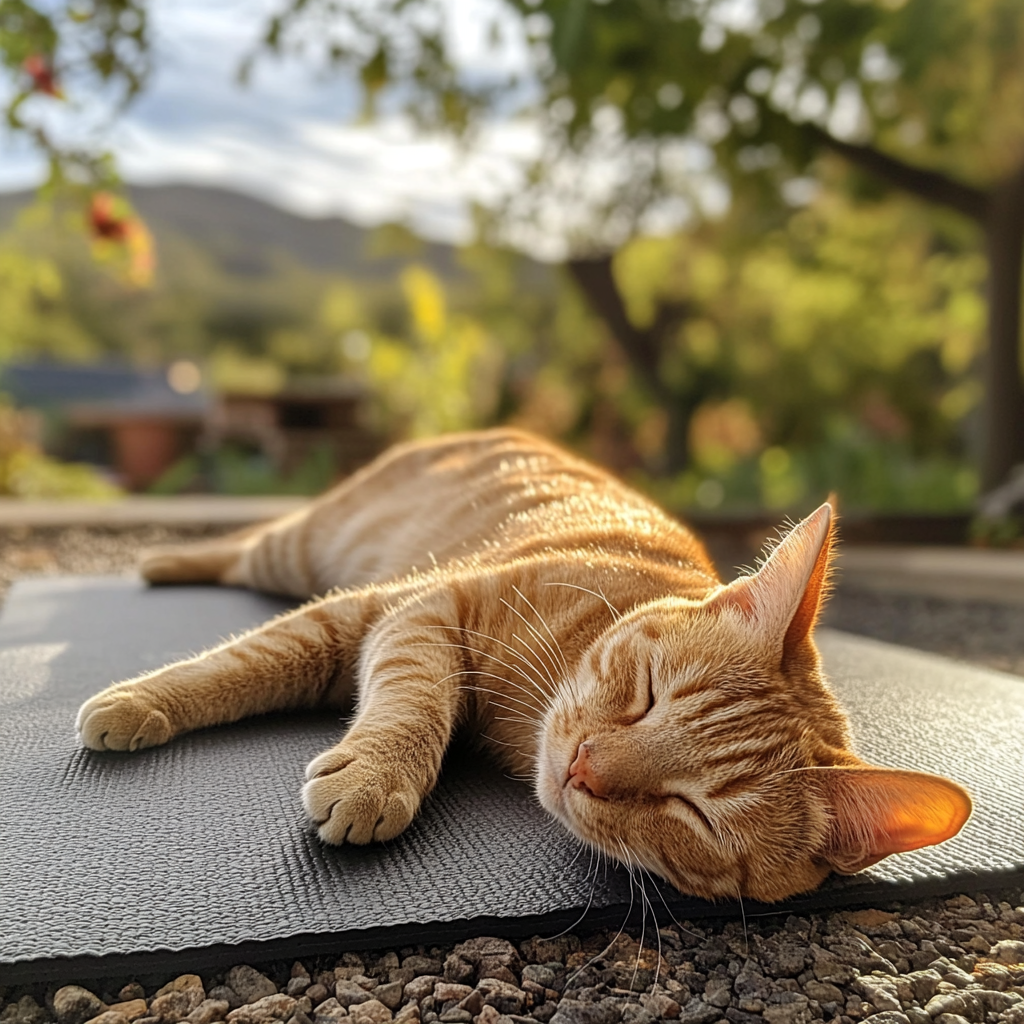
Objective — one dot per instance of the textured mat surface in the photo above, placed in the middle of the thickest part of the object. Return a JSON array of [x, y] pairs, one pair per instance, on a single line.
[[197, 854]]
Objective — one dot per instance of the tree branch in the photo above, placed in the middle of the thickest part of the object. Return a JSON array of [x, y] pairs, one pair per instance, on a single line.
[[933, 186], [642, 346]]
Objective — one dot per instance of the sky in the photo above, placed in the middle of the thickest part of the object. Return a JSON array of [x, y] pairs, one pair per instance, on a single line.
[[291, 136]]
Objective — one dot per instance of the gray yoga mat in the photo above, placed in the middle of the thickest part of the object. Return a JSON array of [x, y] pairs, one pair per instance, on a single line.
[[197, 854]]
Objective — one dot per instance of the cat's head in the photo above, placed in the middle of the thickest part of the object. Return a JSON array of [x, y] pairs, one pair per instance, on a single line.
[[699, 740]]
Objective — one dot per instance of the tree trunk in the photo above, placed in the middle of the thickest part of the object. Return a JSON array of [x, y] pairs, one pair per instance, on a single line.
[[643, 347], [1003, 404]]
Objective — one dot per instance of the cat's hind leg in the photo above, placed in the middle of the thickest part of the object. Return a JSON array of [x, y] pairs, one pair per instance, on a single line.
[[205, 561]]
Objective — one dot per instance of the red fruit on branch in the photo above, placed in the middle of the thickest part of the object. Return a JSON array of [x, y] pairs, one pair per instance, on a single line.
[[40, 70], [105, 220]]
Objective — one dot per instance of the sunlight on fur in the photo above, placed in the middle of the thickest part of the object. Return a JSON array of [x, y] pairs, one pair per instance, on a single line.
[[493, 583]]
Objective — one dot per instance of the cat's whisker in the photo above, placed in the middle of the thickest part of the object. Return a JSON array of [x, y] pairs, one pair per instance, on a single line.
[[484, 689], [743, 918], [501, 643], [483, 654], [590, 900], [557, 648], [533, 629], [644, 903], [668, 909], [586, 590]]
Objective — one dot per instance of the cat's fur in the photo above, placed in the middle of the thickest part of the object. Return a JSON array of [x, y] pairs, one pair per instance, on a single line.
[[494, 582]]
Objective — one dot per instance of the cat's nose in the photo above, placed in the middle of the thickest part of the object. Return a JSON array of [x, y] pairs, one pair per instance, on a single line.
[[582, 774]]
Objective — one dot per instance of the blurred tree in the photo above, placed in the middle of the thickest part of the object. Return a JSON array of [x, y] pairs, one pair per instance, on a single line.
[[925, 95]]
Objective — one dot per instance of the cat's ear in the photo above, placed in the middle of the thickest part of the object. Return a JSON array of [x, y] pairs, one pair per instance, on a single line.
[[785, 596], [879, 811]]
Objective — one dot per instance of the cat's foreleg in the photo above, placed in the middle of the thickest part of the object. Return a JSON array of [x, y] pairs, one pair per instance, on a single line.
[[301, 659], [370, 785]]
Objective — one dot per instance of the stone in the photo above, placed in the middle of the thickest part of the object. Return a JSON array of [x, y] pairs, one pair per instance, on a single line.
[[317, 993], [371, 1012], [349, 994], [823, 992], [917, 1015], [132, 1009], [473, 1003], [248, 984], [364, 981], [296, 986], [328, 1011], [1008, 951], [73, 1004], [888, 1017], [299, 1017], [542, 951], [879, 992], [208, 1011], [422, 965], [574, 1011], [945, 1002], [390, 994], [456, 1016], [950, 1018], [718, 991], [26, 1011], [924, 984], [504, 997], [994, 1001], [660, 1004], [788, 1008], [449, 991], [402, 975], [178, 998], [486, 957], [488, 1015], [270, 1008], [229, 995], [408, 1014], [544, 1012], [750, 983], [109, 1017], [132, 991], [696, 1011], [830, 968], [539, 974], [420, 987], [634, 1013], [737, 1016]]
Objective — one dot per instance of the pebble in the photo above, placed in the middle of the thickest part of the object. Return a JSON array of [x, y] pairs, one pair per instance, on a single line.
[[261, 1011], [422, 965], [484, 957], [371, 1012], [248, 984], [348, 993], [75, 1005], [24, 1011], [109, 1017], [328, 1011], [132, 991], [132, 1009], [887, 1017], [316, 993], [208, 1011], [1008, 951], [421, 987]]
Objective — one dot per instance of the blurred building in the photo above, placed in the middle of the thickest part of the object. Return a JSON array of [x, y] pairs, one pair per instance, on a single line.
[[137, 424]]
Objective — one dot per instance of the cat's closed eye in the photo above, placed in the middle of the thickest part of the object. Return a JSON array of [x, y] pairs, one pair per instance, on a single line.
[[689, 805]]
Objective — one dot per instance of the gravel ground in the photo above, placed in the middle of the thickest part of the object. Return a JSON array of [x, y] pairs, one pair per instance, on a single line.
[[954, 961]]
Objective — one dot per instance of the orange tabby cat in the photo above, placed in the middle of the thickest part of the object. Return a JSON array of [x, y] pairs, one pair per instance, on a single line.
[[495, 583]]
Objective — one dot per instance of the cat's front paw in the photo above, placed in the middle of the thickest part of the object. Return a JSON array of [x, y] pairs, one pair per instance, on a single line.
[[356, 796], [122, 719]]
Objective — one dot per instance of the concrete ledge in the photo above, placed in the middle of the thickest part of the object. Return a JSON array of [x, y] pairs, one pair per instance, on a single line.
[[192, 510], [966, 574]]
